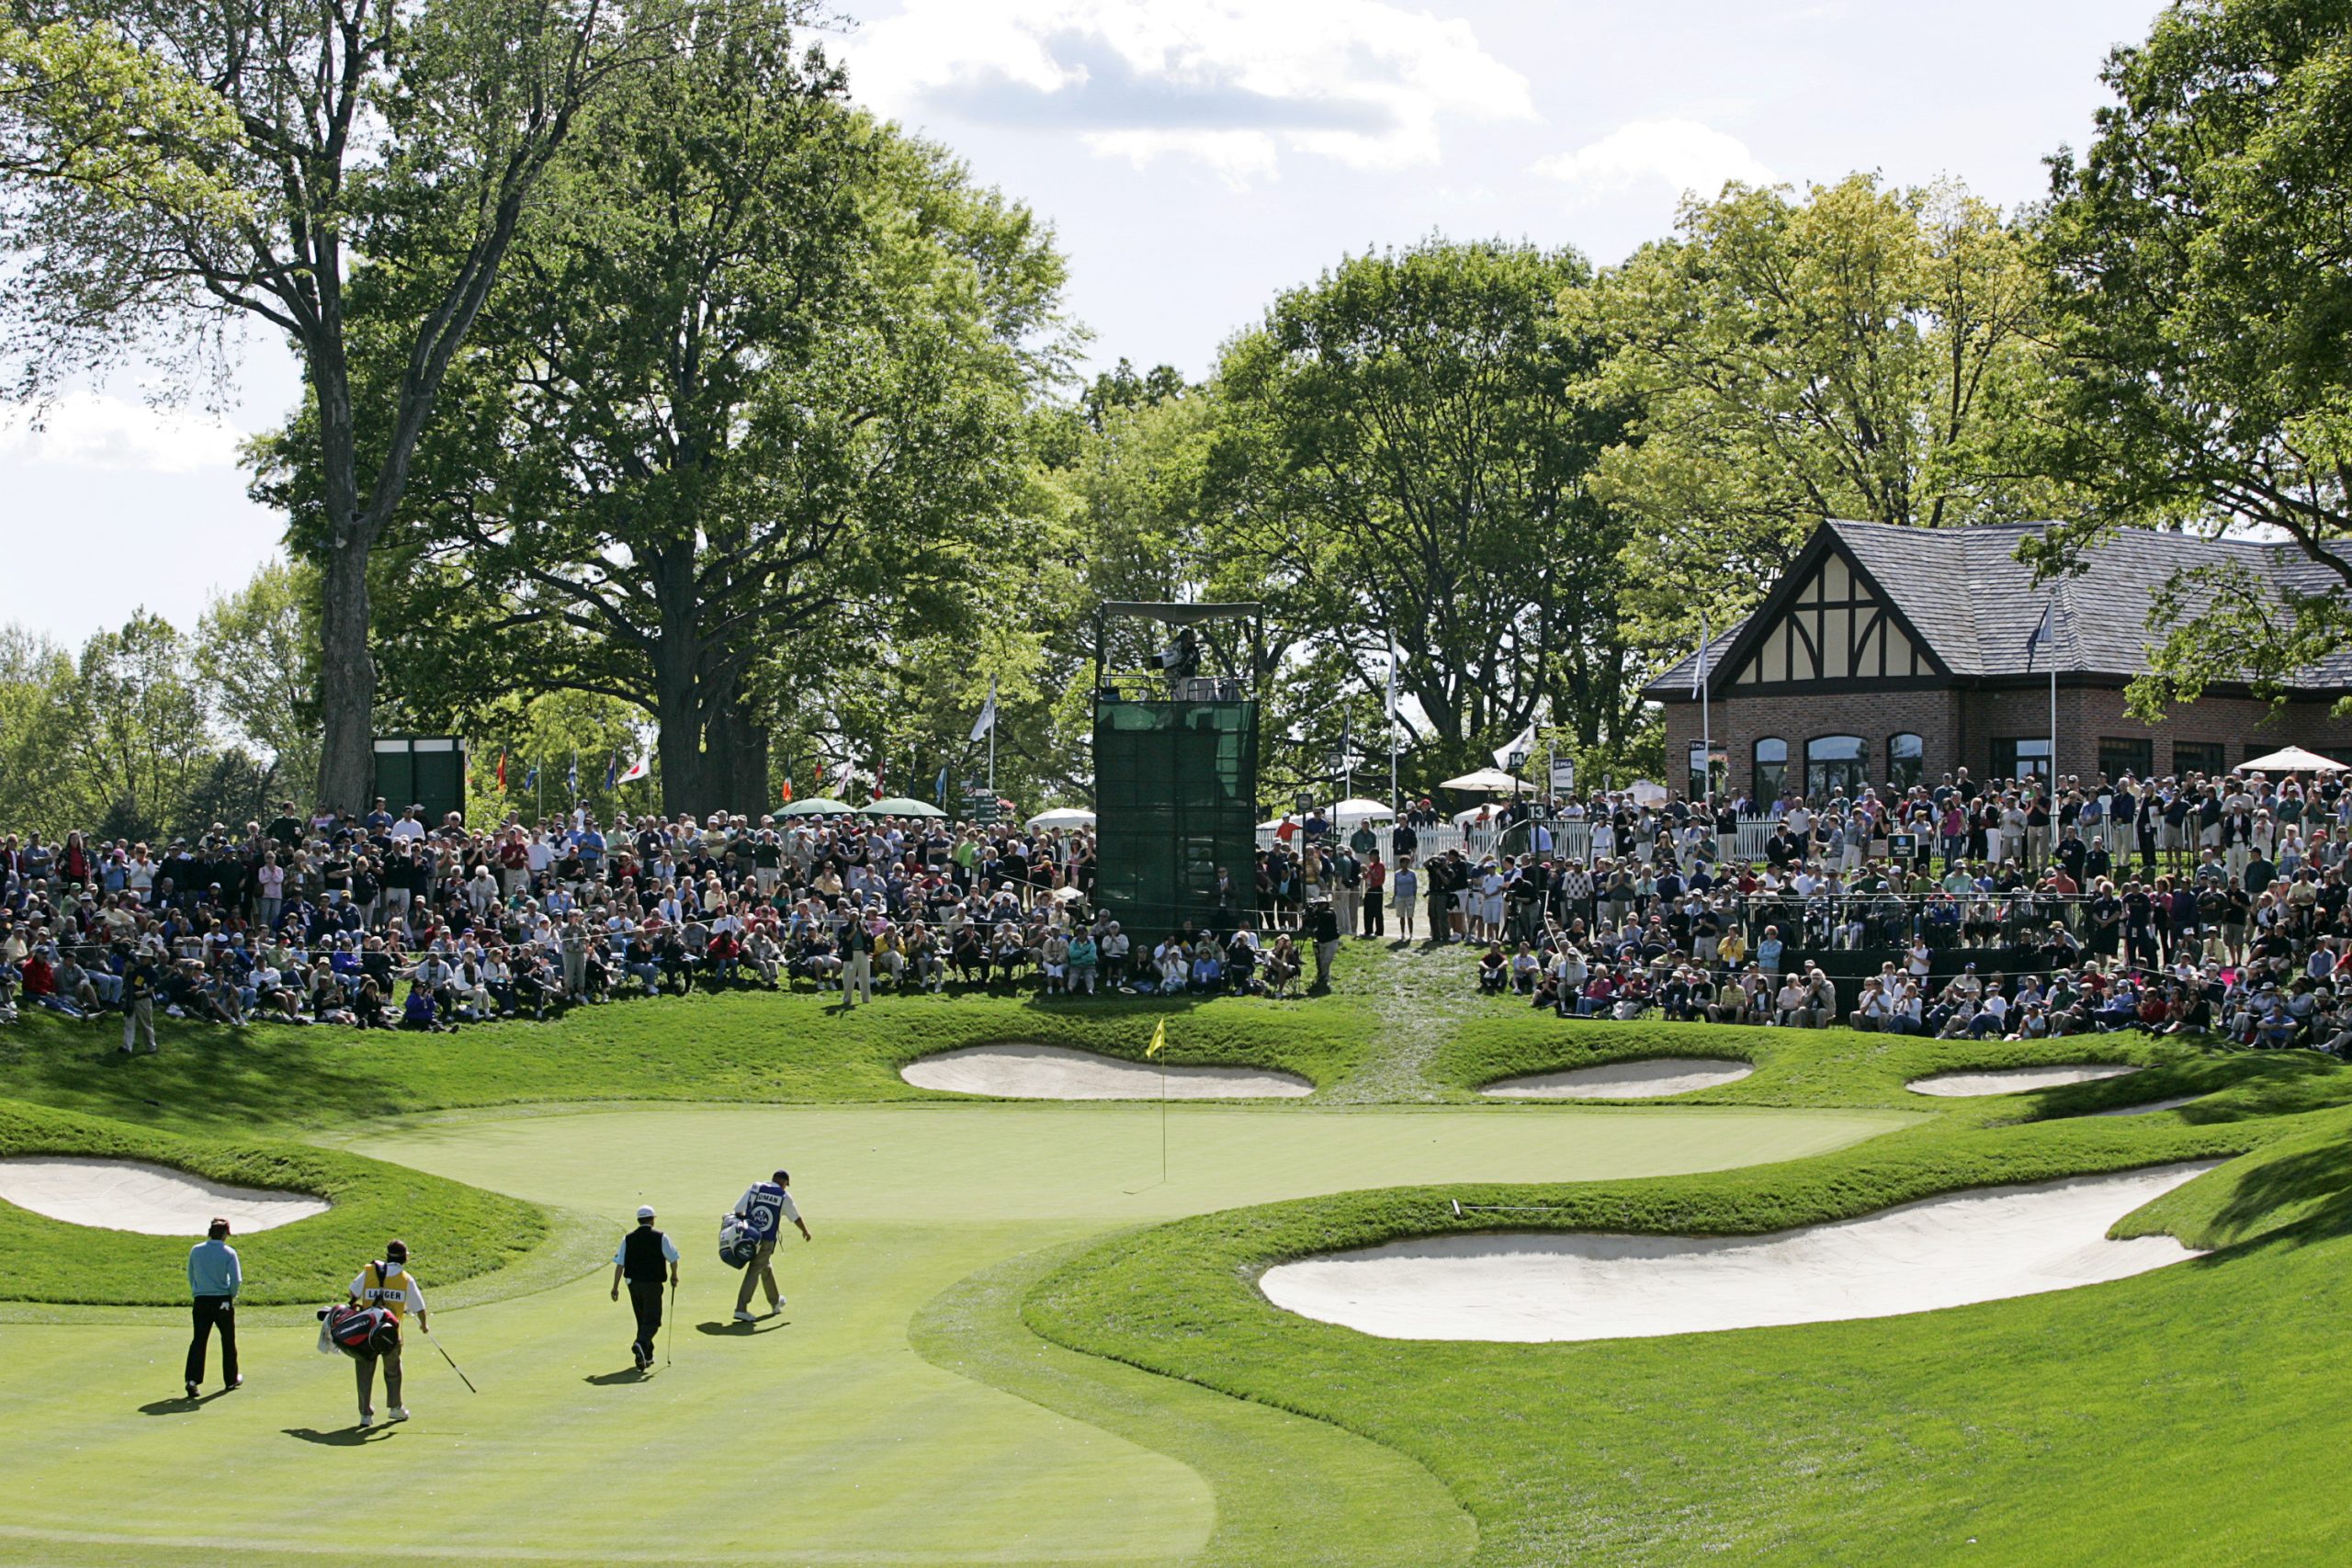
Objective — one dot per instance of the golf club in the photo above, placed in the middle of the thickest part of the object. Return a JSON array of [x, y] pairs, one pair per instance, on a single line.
[[453, 1365], [669, 1332]]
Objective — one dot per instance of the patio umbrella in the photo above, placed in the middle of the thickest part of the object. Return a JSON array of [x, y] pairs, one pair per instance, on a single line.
[[899, 806], [1063, 817], [819, 805], [2293, 760], [1360, 811], [1486, 781]]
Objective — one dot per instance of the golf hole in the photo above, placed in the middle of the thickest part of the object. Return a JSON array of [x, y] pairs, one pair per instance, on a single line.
[[1978, 1245], [2014, 1080], [152, 1200], [1052, 1072], [1649, 1076]]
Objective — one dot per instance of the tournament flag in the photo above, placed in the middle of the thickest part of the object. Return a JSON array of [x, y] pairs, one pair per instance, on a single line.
[[787, 789], [939, 788], [573, 777], [643, 766], [2042, 632], [1699, 671], [987, 721], [1159, 1039], [613, 773], [531, 776], [502, 772]]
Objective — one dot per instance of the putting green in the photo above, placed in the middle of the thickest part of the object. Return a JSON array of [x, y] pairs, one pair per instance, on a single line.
[[823, 1437]]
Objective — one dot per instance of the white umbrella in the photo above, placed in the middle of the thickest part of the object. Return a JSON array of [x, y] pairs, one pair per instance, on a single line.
[[1063, 817], [1486, 781], [1644, 793], [1360, 811], [1462, 818], [2293, 760]]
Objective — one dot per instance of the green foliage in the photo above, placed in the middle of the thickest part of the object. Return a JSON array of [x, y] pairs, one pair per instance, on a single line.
[[81, 104], [1847, 355], [466, 1232], [257, 652], [1402, 458], [2198, 263], [780, 359]]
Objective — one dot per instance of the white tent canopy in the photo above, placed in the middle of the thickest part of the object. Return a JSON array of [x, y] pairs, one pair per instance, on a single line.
[[1360, 811], [2292, 760], [1063, 817], [1486, 781]]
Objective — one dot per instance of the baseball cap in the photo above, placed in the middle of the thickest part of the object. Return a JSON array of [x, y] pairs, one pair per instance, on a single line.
[[645, 1211]]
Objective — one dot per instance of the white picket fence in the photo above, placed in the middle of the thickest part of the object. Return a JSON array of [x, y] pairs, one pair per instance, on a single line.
[[1573, 839]]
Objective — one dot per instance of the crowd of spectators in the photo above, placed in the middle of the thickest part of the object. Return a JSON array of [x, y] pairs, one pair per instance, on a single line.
[[391, 921], [2193, 904], [2208, 905]]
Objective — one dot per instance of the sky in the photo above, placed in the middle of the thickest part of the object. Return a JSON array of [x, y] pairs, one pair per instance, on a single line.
[[1197, 157]]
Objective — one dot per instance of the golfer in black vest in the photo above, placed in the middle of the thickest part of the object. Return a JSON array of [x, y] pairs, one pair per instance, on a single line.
[[643, 1253]]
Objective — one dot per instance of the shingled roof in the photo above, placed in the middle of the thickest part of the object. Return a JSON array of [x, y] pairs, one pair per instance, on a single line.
[[1976, 604]]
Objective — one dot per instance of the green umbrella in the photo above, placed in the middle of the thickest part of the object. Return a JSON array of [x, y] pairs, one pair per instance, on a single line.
[[819, 805], [899, 806]]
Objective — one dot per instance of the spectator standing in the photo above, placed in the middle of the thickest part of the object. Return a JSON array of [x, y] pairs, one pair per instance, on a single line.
[[1325, 923]]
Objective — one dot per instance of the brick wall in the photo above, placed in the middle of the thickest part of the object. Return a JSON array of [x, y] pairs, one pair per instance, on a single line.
[[1959, 727]]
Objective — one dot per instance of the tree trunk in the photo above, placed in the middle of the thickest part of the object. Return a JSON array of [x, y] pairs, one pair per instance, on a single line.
[[347, 684], [747, 791], [679, 714]]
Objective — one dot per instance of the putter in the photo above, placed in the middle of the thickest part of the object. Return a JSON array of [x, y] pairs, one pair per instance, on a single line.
[[454, 1367]]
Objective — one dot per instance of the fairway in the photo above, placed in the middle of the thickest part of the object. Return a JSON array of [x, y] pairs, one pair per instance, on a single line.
[[825, 1436]]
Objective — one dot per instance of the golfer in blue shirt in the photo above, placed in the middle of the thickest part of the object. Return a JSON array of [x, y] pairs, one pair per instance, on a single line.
[[214, 1277]]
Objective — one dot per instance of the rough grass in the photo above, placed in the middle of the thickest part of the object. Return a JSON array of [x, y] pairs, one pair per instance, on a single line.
[[2120, 1423], [736, 1045], [464, 1232]]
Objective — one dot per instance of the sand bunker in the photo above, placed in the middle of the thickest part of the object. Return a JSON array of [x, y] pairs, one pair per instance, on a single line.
[[1979, 1245], [1623, 1080], [2149, 1108], [153, 1200], [2014, 1080], [1049, 1072]]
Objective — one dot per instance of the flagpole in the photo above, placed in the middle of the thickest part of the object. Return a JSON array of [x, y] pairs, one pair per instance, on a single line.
[[991, 737], [2051, 784], [1706, 719], [1392, 724]]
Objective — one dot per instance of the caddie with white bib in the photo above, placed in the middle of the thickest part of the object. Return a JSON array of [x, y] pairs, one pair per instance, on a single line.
[[763, 1210], [387, 1284]]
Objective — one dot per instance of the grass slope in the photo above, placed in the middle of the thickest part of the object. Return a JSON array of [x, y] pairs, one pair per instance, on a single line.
[[735, 1045], [2121, 1423], [466, 1233]]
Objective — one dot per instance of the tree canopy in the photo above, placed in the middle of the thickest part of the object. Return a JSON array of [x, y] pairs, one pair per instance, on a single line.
[[2199, 258]]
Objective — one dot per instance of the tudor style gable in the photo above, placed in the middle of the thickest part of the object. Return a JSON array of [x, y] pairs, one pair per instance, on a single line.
[[1828, 623]]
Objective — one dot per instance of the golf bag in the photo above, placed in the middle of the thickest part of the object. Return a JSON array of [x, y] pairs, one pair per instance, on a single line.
[[737, 1244], [359, 1331]]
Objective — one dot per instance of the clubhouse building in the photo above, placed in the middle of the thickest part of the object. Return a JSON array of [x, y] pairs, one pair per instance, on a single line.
[[1893, 655]]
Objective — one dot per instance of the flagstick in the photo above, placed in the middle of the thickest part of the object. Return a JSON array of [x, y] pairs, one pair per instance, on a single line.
[[1163, 1118]]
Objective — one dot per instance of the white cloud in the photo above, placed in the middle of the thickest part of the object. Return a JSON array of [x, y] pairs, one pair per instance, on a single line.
[[92, 430], [1232, 83], [1681, 154]]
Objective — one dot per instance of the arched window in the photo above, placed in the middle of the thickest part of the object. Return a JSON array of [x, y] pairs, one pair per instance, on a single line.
[[1905, 761], [1833, 765], [1771, 770]]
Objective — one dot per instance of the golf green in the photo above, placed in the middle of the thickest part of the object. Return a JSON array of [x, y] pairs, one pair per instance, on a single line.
[[840, 1431]]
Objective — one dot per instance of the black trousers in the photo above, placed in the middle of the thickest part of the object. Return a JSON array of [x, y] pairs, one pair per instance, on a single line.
[[645, 1299], [210, 1312]]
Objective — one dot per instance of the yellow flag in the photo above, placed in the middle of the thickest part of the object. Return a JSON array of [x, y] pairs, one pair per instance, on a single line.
[[1159, 1039]]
